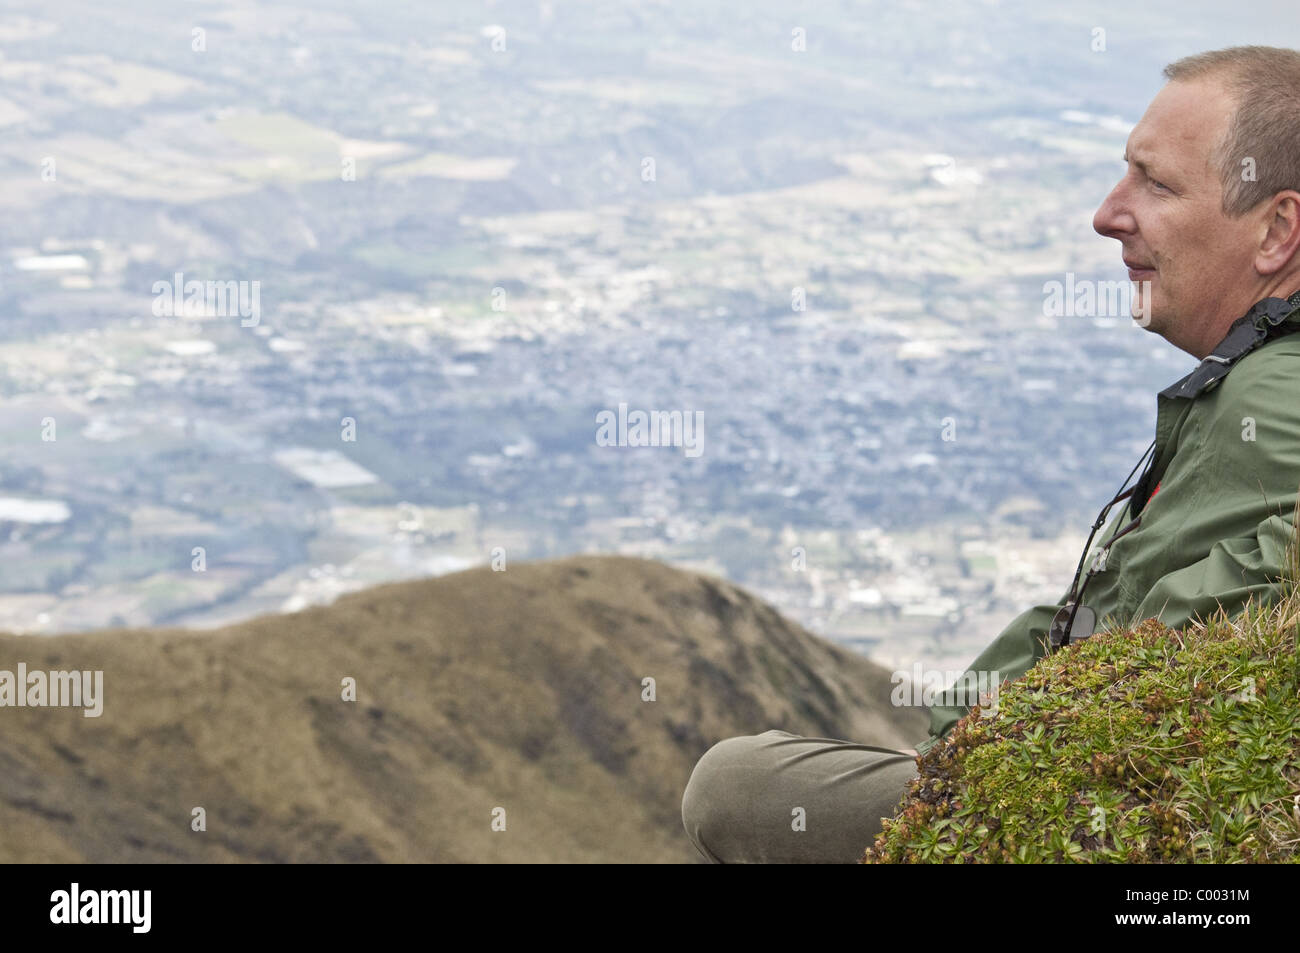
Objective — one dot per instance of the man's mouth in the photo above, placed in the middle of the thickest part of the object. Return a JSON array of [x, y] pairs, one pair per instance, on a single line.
[[1139, 270]]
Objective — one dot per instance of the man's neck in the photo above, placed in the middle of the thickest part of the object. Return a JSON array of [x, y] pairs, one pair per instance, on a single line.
[[1287, 289]]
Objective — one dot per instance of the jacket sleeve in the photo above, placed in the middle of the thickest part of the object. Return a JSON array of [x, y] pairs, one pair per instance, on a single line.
[[1234, 571], [1010, 655]]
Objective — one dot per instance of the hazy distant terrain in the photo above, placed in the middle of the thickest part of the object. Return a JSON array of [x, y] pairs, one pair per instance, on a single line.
[[473, 227], [520, 689]]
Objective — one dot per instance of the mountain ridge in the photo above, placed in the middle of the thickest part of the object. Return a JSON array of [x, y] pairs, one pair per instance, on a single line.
[[519, 690]]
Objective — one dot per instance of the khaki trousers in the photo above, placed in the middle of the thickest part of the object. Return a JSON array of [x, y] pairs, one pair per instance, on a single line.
[[782, 798]]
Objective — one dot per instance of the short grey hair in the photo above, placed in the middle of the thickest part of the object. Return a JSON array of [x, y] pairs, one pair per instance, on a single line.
[[1264, 134]]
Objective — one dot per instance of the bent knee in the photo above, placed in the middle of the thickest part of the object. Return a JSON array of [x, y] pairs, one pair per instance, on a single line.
[[715, 796]]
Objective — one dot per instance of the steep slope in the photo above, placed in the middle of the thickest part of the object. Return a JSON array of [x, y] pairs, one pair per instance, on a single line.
[[519, 690]]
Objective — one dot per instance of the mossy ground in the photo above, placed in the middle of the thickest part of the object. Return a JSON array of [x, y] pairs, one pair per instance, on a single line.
[[1146, 745]]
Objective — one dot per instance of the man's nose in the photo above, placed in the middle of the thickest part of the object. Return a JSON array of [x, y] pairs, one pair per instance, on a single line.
[[1113, 217]]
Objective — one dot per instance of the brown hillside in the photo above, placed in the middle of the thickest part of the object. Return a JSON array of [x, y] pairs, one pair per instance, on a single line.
[[518, 689]]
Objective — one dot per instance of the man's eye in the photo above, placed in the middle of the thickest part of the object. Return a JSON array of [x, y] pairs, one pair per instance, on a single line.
[[1160, 185]]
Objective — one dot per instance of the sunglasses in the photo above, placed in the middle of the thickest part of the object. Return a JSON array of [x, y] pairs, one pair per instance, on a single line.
[[1075, 621]]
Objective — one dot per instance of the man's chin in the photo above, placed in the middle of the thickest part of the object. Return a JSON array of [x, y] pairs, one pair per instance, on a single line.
[[1147, 322]]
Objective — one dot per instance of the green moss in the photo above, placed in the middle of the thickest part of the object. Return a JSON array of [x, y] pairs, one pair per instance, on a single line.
[[1146, 745]]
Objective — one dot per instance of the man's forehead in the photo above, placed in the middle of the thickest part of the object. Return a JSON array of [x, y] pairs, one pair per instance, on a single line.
[[1182, 125]]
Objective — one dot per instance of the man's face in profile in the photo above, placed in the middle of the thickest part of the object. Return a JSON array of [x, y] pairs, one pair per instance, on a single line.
[[1187, 257]]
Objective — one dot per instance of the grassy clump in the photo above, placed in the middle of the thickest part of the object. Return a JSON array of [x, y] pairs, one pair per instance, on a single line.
[[1147, 745]]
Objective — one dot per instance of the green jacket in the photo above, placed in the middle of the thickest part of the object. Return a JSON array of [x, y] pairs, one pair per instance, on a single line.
[[1216, 530]]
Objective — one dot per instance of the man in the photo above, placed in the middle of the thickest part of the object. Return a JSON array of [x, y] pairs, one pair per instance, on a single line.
[[1208, 217]]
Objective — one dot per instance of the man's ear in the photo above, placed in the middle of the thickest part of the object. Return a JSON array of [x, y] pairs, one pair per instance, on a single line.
[[1281, 242]]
